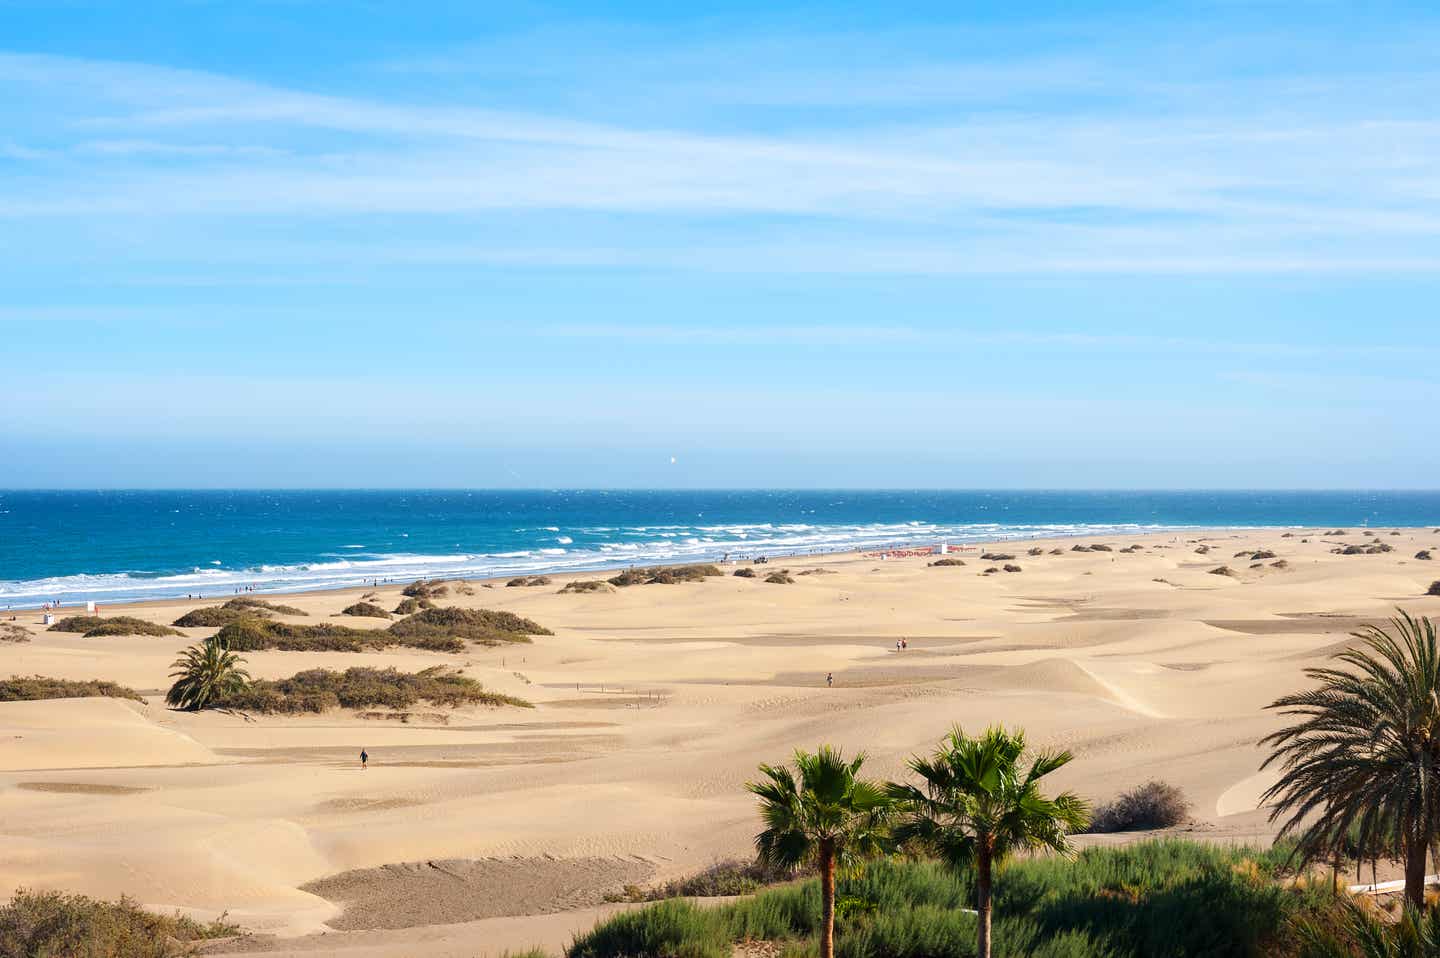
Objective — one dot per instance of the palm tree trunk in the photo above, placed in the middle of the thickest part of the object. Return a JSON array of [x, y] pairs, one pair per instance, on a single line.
[[982, 904], [1415, 850], [827, 899]]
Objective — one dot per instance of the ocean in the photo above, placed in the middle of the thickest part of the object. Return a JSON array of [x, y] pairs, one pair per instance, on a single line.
[[121, 545]]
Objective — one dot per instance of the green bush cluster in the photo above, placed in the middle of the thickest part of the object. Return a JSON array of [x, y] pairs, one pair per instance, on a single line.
[[410, 605], [49, 924], [32, 688], [93, 626], [587, 585], [477, 625], [421, 589], [366, 610], [528, 581], [666, 575], [243, 607], [254, 635], [1167, 897], [319, 690]]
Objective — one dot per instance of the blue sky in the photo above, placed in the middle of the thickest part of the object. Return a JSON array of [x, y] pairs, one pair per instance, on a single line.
[[306, 244]]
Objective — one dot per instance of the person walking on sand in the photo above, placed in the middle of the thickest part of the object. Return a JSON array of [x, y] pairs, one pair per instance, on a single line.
[[829, 680], [364, 759]]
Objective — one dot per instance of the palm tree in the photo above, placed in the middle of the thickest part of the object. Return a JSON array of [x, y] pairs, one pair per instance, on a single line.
[[829, 816], [204, 673], [978, 804], [1365, 755]]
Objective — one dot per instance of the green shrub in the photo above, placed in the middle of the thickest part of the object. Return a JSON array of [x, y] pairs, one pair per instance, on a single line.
[[1012, 567], [49, 924], [410, 605], [35, 687], [241, 607], [528, 581], [948, 561], [780, 577], [365, 609], [118, 625], [78, 623], [255, 635], [319, 690], [477, 625], [996, 557], [665, 575], [745, 572]]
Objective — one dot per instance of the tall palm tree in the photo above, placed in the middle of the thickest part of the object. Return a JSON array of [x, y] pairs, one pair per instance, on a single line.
[[1365, 755], [204, 673], [978, 803], [828, 815]]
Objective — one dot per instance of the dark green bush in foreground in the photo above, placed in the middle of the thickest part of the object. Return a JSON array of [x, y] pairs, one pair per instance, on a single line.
[[366, 609], [319, 690], [1157, 898], [53, 925], [35, 687]]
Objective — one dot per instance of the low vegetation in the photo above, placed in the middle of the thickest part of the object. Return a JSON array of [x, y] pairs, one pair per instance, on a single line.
[[948, 561], [996, 556], [1164, 897], [1434, 588], [409, 606], [1149, 806], [1423, 555], [745, 572], [476, 625], [528, 581], [366, 610], [50, 924], [92, 626], [13, 632], [256, 635], [780, 577], [1012, 567], [587, 585], [242, 607], [422, 589], [1224, 570], [665, 575], [1098, 547], [319, 690], [36, 687]]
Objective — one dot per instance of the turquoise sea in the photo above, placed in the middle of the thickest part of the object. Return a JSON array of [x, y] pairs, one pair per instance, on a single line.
[[113, 545]]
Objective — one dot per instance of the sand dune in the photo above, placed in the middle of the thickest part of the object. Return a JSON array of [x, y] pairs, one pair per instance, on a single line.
[[481, 830]]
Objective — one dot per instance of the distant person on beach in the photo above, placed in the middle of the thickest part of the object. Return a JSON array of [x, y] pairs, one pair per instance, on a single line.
[[829, 680], [364, 759]]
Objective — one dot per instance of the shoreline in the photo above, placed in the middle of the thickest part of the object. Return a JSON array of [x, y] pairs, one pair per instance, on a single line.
[[908, 549]]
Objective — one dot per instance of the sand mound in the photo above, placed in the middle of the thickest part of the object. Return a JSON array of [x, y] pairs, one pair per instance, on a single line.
[[90, 733], [456, 890]]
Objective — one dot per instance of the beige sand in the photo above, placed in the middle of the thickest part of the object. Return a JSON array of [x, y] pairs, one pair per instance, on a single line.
[[655, 703]]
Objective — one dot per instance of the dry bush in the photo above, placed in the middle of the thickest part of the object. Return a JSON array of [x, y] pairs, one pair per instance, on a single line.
[[255, 635], [947, 562], [745, 572], [51, 924], [476, 625], [1434, 588], [665, 575], [1011, 567], [780, 577], [421, 589], [587, 585], [528, 581], [996, 557], [409, 606], [1152, 805], [34, 688], [1223, 570], [13, 632]]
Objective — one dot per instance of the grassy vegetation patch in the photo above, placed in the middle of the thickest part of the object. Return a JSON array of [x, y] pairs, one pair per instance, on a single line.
[[33, 688], [243, 607], [587, 585], [410, 605], [1152, 805], [477, 625], [254, 635], [422, 589], [94, 626], [1172, 898], [528, 581], [319, 690], [365, 609], [49, 924], [666, 575]]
